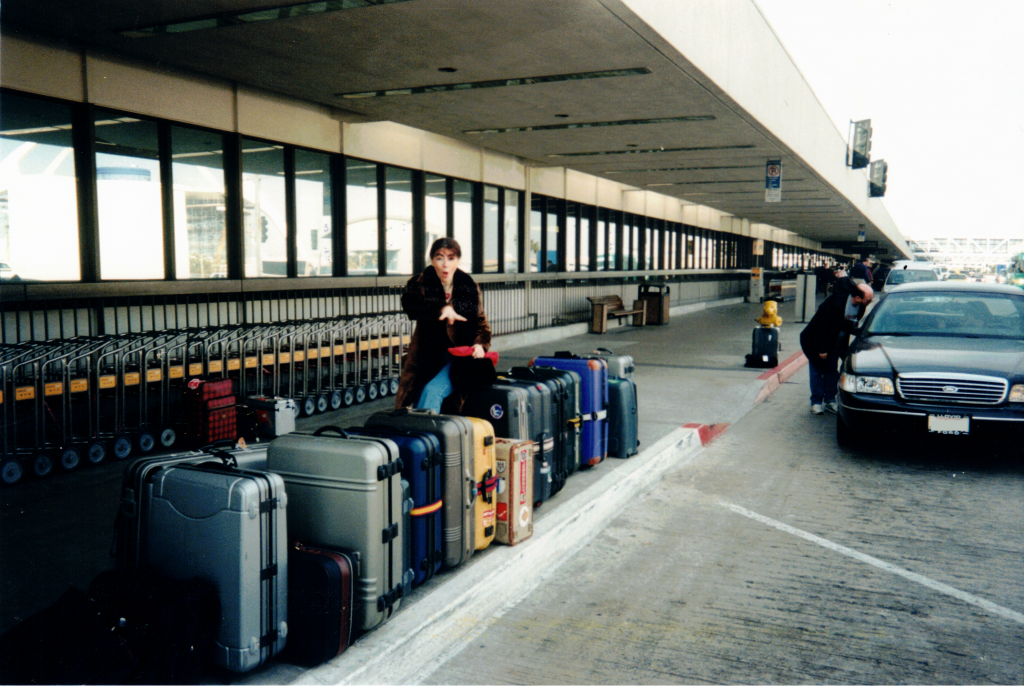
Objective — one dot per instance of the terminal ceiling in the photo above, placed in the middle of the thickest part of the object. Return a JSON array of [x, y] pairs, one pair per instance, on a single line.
[[706, 149]]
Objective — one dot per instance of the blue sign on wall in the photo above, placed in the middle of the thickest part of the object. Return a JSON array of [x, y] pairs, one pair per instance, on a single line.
[[773, 181]]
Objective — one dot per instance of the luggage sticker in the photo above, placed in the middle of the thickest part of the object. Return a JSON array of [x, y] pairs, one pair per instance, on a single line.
[[524, 516], [502, 512], [497, 411], [488, 518]]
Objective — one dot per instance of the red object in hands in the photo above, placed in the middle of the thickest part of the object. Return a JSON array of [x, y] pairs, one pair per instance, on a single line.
[[467, 351]]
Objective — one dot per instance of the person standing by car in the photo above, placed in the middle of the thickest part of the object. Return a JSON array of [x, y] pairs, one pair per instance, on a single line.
[[448, 309], [823, 340], [861, 272]]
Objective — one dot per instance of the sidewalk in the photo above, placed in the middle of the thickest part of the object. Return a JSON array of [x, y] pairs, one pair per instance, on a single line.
[[691, 385]]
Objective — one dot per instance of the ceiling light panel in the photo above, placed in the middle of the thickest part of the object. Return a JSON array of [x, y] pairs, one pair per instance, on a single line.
[[652, 151], [596, 124]]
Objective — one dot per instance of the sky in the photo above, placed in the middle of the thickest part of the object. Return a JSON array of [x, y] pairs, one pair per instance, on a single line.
[[943, 85]]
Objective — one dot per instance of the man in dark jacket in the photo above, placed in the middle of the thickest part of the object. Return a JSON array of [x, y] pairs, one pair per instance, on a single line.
[[823, 339], [861, 272]]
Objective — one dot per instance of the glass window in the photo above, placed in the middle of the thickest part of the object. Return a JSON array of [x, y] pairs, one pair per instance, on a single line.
[[265, 236], [361, 217], [436, 210], [38, 197], [551, 258], [536, 229], [313, 213], [602, 240], [584, 239], [130, 214], [463, 216], [398, 225], [200, 223], [691, 252], [511, 221], [491, 221], [570, 237]]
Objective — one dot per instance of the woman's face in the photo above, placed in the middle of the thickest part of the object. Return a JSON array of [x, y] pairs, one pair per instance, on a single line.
[[445, 262]]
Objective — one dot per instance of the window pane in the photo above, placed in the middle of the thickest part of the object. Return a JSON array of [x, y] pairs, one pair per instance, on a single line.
[[361, 219], [490, 229], [511, 232], [200, 227], [463, 211], [570, 237], [634, 249], [551, 258], [437, 210], [313, 213], [265, 239], [38, 198], [128, 198], [584, 241], [536, 214], [398, 226], [612, 245]]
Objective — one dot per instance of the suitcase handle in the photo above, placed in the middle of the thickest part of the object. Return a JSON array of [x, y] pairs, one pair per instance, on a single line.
[[216, 449], [603, 350], [333, 429], [566, 355]]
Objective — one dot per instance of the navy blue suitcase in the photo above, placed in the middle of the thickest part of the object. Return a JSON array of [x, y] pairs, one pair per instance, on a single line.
[[593, 372], [422, 466], [623, 423]]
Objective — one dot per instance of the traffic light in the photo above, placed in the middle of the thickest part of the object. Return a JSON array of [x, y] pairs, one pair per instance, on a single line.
[[877, 176], [860, 144], [264, 234]]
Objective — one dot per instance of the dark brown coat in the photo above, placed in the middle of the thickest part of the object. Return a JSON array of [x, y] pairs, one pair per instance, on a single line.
[[422, 301]]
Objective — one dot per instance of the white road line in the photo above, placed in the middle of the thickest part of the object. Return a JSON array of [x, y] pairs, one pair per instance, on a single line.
[[989, 606]]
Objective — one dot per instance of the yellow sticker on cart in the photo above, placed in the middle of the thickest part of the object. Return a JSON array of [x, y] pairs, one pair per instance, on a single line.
[[176, 373], [268, 359], [215, 366], [339, 350], [132, 379], [195, 369], [325, 352], [25, 393], [299, 356], [154, 375], [284, 358], [1, 397], [251, 362], [55, 388], [109, 381], [313, 353], [234, 363], [79, 385]]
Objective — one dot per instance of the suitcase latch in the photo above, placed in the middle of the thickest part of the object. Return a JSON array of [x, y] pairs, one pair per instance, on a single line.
[[389, 534], [268, 573]]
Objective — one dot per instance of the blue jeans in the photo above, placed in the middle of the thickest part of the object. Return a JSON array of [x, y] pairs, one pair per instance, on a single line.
[[824, 377], [436, 390]]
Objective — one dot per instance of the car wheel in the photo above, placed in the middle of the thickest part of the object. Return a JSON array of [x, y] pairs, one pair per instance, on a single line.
[[844, 434]]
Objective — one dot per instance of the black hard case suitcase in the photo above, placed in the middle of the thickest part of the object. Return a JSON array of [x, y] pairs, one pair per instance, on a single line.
[[505, 406], [456, 437], [765, 347], [228, 527], [346, 493], [542, 421], [129, 525], [565, 389], [321, 601], [623, 422]]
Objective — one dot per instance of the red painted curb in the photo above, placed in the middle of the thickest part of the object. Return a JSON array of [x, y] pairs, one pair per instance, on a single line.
[[781, 366], [707, 432], [774, 378]]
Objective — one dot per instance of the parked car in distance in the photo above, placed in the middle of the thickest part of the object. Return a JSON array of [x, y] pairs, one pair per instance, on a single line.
[[941, 357], [898, 277], [5, 271], [957, 276]]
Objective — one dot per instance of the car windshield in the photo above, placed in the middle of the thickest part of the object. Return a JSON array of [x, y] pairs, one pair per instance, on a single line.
[[896, 277], [981, 315]]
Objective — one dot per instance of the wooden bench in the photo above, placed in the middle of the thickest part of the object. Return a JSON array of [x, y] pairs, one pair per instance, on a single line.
[[611, 307]]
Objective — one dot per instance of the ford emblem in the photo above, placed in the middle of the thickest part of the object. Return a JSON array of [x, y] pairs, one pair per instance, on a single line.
[[950, 389]]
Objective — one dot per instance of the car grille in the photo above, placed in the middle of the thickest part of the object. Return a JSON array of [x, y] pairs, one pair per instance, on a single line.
[[952, 389]]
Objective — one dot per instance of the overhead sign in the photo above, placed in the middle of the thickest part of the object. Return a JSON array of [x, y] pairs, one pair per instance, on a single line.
[[773, 181], [840, 245], [861, 235]]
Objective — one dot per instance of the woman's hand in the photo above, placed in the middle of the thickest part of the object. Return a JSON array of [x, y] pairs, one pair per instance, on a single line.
[[449, 314], [478, 351]]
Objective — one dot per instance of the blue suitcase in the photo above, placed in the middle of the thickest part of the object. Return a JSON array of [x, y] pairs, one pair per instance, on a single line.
[[422, 468], [593, 373]]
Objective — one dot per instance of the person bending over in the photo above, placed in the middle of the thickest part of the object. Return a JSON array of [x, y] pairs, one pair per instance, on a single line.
[[448, 309]]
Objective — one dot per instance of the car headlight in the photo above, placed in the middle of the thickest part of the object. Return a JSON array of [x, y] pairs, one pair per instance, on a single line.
[[1017, 393], [878, 385]]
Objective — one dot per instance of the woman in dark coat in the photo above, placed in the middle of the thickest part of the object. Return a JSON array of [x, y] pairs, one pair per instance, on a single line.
[[448, 309]]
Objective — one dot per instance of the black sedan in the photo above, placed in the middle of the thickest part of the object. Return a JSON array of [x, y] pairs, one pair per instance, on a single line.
[[937, 358]]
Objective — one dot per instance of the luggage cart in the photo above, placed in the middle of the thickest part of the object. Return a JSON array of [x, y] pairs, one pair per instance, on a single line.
[[12, 468], [28, 424]]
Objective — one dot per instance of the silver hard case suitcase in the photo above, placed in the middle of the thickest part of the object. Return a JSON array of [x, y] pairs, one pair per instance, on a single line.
[[229, 528], [456, 437], [346, 492]]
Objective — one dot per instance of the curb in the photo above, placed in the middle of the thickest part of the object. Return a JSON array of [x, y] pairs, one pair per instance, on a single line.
[[774, 378]]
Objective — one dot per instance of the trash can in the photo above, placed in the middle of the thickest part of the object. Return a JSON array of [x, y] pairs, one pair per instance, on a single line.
[[656, 302]]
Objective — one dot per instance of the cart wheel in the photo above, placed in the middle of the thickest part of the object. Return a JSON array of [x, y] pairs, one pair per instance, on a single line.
[[322, 403], [361, 394], [308, 405], [42, 465], [336, 400], [394, 386], [11, 472], [146, 441], [122, 447], [348, 397], [97, 452], [383, 388], [70, 458], [168, 436], [371, 391]]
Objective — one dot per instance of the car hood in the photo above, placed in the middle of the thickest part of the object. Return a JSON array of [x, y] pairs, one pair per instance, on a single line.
[[908, 354]]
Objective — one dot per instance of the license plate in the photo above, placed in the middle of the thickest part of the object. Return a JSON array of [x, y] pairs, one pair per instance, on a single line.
[[949, 424]]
